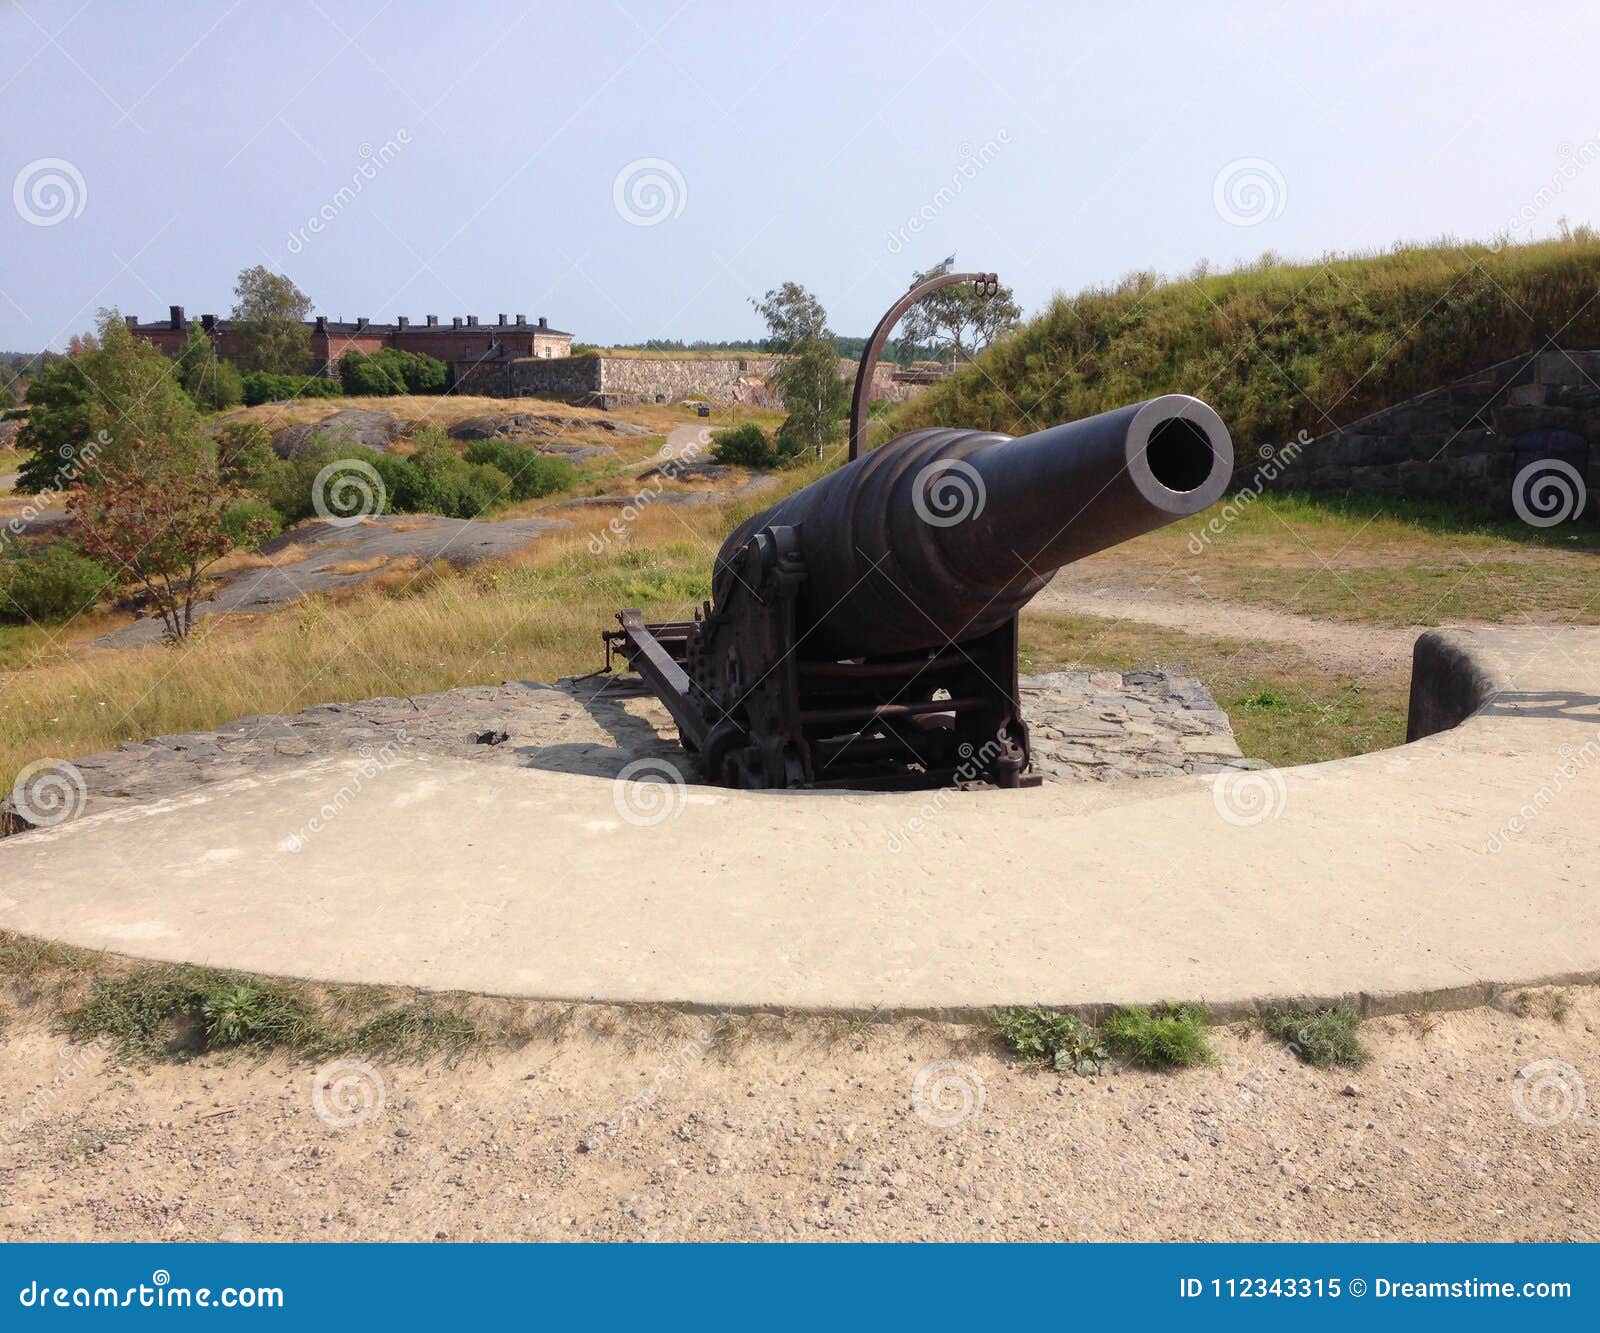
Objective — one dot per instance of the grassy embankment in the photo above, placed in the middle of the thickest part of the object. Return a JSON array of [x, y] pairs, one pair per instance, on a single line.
[[1279, 347]]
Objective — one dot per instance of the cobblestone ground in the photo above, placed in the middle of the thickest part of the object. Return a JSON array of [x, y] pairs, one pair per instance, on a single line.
[[1100, 726]]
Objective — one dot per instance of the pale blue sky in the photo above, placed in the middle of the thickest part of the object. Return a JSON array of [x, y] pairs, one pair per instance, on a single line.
[[802, 141]]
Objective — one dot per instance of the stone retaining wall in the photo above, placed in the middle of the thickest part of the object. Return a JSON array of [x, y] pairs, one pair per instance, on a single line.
[[1469, 440], [612, 381]]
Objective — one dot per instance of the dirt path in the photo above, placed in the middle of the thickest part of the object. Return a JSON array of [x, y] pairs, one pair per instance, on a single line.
[[1334, 643], [801, 1132]]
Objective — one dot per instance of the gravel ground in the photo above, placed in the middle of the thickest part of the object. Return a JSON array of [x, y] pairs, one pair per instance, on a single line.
[[650, 1126]]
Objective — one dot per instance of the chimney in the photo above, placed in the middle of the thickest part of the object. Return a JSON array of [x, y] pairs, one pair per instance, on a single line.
[[472, 321], [176, 312], [543, 322], [455, 321], [404, 321], [521, 320], [361, 323], [322, 326], [433, 321], [208, 323], [132, 321], [502, 321]]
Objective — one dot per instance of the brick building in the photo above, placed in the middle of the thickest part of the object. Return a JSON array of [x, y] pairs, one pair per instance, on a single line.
[[461, 340]]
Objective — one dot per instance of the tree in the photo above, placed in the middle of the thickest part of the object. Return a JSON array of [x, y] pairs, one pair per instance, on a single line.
[[214, 384], [92, 408], [268, 321], [81, 344], [164, 522], [808, 374], [959, 319]]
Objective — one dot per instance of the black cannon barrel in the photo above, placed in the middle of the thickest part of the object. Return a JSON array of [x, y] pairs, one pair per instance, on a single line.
[[942, 535]]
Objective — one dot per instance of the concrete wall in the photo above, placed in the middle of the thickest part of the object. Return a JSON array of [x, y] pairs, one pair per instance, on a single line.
[[1468, 440]]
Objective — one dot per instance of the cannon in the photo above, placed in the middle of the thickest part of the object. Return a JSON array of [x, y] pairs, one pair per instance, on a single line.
[[863, 632]]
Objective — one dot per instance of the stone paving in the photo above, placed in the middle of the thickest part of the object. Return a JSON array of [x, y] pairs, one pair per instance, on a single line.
[[1085, 727]]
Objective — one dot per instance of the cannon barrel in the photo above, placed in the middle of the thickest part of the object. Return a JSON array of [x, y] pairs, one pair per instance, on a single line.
[[943, 535]]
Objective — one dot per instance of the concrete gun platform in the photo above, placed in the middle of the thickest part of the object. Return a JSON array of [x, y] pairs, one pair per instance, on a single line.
[[1445, 868]]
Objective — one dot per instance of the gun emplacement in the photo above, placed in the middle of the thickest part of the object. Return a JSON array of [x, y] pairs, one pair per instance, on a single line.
[[863, 631]]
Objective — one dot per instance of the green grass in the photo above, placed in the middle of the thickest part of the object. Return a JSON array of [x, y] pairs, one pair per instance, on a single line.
[[1322, 1037], [1171, 1036], [1168, 1037], [1280, 346], [1285, 707], [162, 1012]]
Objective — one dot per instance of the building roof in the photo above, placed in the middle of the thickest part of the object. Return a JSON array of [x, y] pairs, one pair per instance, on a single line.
[[349, 328]]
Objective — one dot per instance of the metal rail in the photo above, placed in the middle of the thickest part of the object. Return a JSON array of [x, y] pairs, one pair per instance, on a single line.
[[986, 283]]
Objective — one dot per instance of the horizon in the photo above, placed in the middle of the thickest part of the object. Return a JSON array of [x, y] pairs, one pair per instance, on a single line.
[[678, 161]]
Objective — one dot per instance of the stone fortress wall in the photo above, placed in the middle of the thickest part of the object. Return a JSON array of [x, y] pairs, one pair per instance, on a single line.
[[1469, 440]]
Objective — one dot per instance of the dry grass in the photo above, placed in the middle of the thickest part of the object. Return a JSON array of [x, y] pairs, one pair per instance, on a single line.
[[1286, 708], [1383, 562], [360, 566], [536, 617]]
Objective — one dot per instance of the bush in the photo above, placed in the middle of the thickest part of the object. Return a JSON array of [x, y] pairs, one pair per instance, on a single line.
[[370, 376], [743, 446], [251, 522], [50, 583], [217, 387], [532, 474], [261, 387], [392, 372]]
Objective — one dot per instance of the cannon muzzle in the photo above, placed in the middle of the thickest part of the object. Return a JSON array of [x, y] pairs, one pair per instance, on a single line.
[[946, 534]]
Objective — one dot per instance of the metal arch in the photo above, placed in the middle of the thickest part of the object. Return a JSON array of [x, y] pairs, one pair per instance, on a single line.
[[986, 283]]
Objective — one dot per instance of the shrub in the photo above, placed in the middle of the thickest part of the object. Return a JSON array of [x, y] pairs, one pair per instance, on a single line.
[[218, 387], [743, 446], [392, 372], [261, 387], [1322, 1037], [1171, 1036], [468, 490], [50, 583], [251, 522], [532, 474], [370, 376]]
